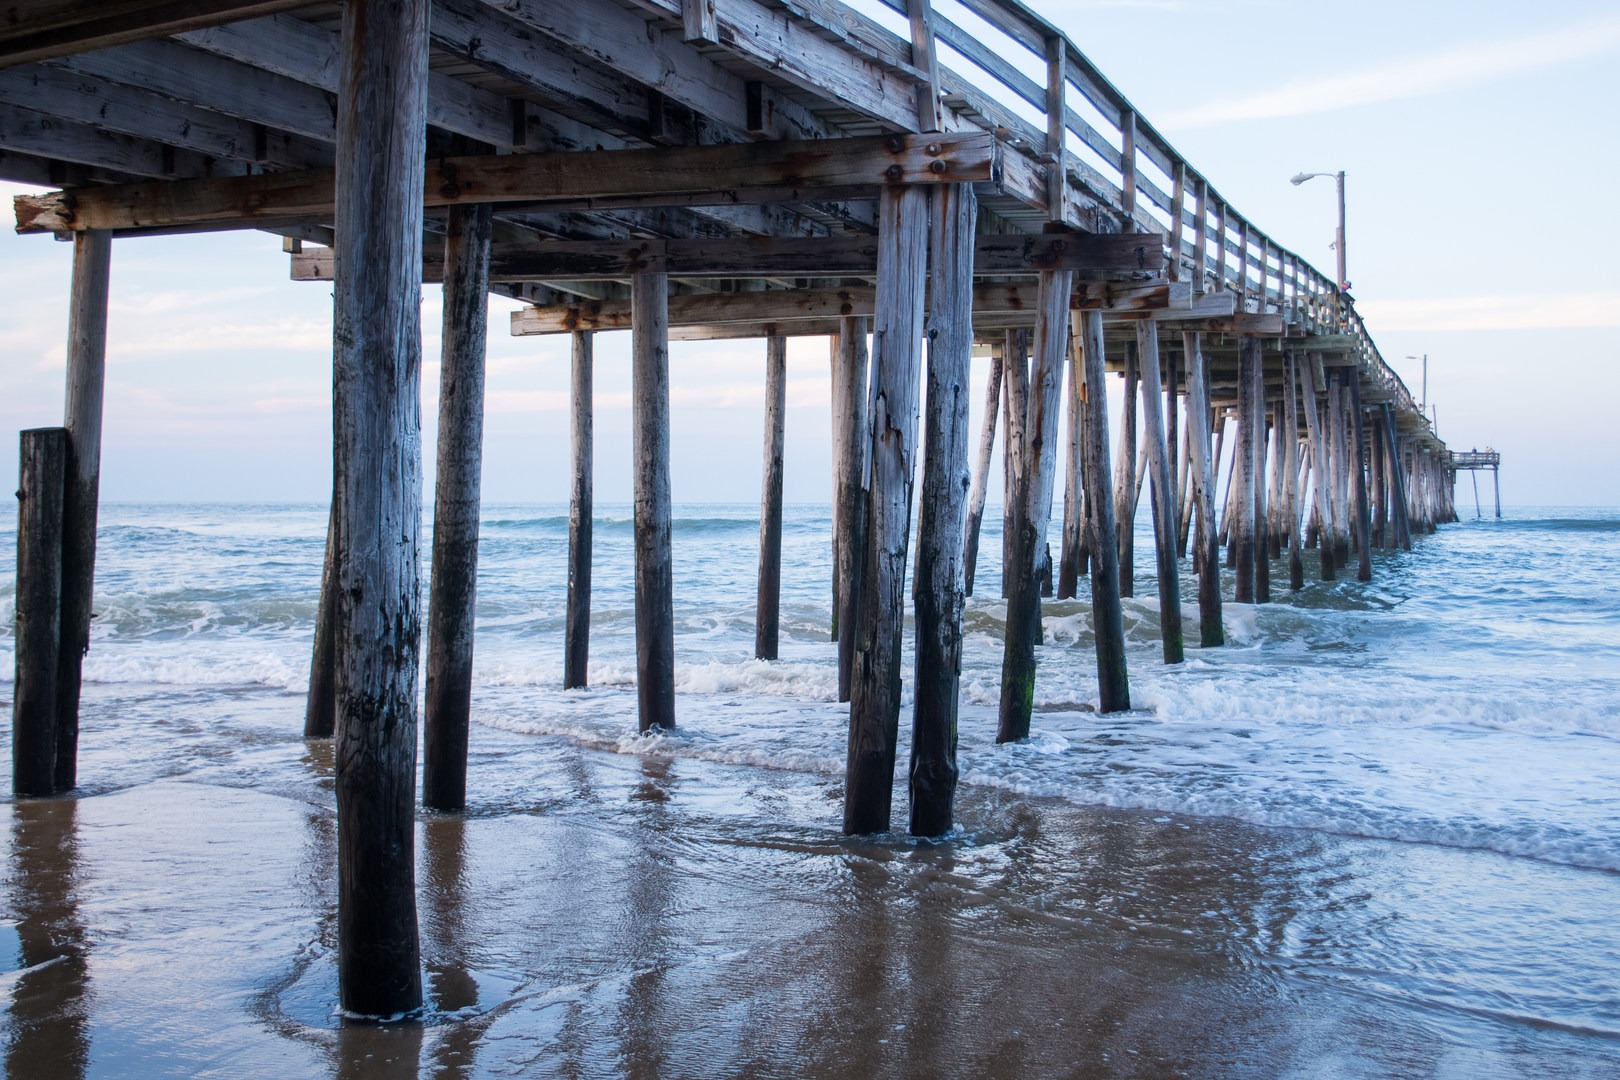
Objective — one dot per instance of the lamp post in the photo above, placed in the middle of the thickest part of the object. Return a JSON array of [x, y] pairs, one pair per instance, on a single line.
[[1338, 241], [1424, 404]]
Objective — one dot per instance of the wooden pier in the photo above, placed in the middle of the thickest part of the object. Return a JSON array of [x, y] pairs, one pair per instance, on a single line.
[[689, 169]]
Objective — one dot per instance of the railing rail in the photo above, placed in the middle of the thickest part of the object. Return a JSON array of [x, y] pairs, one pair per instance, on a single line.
[[1020, 67]]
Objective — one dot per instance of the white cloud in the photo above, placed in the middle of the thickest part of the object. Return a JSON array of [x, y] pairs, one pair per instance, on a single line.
[[1549, 311], [1408, 77]]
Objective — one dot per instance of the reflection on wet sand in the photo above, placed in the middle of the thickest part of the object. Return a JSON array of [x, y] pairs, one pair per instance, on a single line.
[[49, 1019]]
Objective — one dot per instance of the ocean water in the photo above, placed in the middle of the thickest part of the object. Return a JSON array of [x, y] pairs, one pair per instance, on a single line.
[[1389, 810]]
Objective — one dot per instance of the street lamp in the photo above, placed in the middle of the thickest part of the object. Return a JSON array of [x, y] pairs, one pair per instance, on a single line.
[[1338, 243], [1425, 402]]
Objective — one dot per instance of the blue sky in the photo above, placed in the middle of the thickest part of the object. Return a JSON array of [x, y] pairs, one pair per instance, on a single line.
[[1481, 145]]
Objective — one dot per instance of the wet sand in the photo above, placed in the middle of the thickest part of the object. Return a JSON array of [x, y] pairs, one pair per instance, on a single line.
[[608, 915]]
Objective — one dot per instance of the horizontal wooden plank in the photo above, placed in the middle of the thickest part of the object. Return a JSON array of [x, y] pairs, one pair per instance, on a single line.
[[43, 29], [740, 172], [1001, 304], [764, 256]]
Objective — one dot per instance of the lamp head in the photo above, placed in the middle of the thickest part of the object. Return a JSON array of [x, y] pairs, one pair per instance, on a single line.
[[1300, 178]]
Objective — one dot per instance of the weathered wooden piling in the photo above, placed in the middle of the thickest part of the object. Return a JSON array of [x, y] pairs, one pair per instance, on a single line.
[[1292, 474], [1125, 477], [1319, 468], [1068, 583], [1258, 519], [1107, 612], [939, 595], [41, 484], [655, 590], [1397, 483], [1380, 488], [1358, 476], [768, 603], [1014, 408], [981, 471], [320, 703], [1032, 513], [1211, 632], [577, 621], [382, 105], [1241, 547], [86, 382], [1163, 493], [897, 327], [457, 500], [852, 440]]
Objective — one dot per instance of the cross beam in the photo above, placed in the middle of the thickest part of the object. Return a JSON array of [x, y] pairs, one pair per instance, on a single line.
[[589, 180]]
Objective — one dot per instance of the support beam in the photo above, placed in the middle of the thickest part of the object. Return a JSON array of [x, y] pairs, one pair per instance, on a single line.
[[1033, 509], [1211, 632], [86, 383], [655, 599], [586, 179], [1163, 493], [41, 482], [377, 357], [41, 29], [939, 595], [453, 584], [1107, 612], [577, 628], [852, 439], [874, 709], [768, 597]]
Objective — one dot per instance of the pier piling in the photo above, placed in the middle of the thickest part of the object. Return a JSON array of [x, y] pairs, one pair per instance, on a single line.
[[577, 620], [655, 597], [1211, 633], [768, 603], [981, 470], [852, 440], [42, 481], [1107, 613], [1163, 493]]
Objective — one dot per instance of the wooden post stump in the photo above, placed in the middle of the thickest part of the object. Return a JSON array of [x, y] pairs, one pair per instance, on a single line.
[[41, 486], [655, 591], [768, 603], [377, 356], [939, 595], [897, 325], [453, 584], [577, 620]]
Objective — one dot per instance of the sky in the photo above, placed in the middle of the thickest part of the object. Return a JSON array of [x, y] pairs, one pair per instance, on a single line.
[[1481, 146]]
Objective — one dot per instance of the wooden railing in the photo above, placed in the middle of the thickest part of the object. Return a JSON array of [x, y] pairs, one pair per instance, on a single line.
[[1009, 70]]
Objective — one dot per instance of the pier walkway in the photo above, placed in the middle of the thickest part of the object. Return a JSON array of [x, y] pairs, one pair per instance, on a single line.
[[948, 173]]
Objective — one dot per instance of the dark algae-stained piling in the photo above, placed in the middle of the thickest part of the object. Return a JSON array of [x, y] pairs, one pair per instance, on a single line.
[[768, 604], [939, 584], [897, 328], [42, 474], [86, 383], [453, 583], [377, 356], [577, 621], [1107, 611], [1032, 510], [655, 596], [1164, 518]]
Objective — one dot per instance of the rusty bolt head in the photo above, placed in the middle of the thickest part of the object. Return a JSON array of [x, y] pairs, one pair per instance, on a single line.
[[937, 167], [933, 149], [896, 144], [894, 173]]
